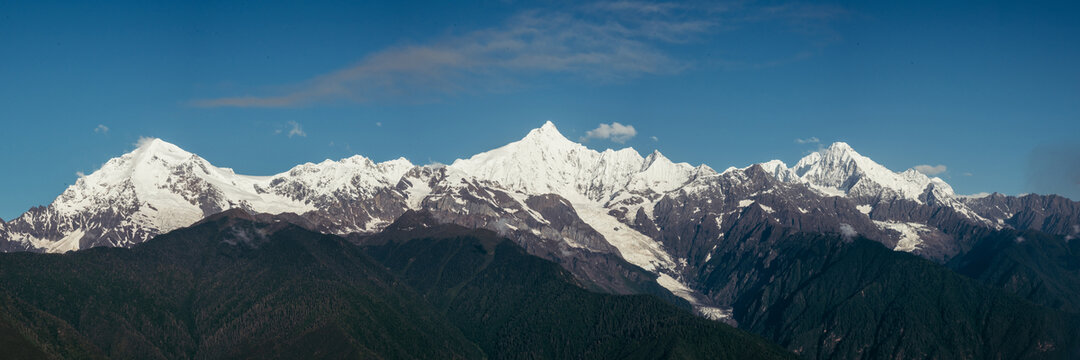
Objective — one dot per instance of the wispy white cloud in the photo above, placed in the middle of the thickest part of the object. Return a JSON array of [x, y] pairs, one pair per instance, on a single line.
[[296, 130], [615, 132], [654, 138], [144, 140], [809, 140], [378, 123], [931, 170], [531, 43], [848, 232], [101, 129], [607, 41], [642, 7]]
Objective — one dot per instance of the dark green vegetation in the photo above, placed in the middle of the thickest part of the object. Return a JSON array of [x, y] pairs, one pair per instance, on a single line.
[[236, 287], [1039, 267], [824, 297], [231, 287], [223, 289], [519, 306]]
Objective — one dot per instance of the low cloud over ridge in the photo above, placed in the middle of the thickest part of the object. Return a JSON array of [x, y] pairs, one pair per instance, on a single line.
[[931, 170]]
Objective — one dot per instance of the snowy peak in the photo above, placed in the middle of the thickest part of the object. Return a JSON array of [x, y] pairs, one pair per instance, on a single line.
[[841, 147], [546, 135], [355, 177], [546, 162], [839, 169], [655, 157], [834, 166], [158, 186], [156, 146], [779, 170], [140, 172], [342, 171], [660, 174], [151, 151]]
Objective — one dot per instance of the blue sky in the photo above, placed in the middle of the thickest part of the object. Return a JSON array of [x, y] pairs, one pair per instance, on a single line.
[[989, 90]]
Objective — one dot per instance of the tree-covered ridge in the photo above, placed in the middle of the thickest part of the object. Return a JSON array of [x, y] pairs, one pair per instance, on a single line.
[[1039, 267], [235, 287], [519, 306], [227, 288], [827, 296]]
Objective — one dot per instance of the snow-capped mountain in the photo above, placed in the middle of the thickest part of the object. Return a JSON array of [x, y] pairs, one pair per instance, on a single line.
[[613, 218], [840, 170], [160, 187], [546, 162]]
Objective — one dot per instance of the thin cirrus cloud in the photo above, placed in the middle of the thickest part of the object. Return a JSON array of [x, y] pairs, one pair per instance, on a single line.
[[608, 41], [810, 140], [931, 170], [296, 130], [101, 129], [615, 132]]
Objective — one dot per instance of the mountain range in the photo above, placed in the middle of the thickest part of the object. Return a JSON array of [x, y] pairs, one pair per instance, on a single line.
[[767, 247], [551, 195]]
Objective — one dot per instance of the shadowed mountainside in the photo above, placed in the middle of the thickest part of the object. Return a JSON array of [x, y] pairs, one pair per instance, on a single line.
[[232, 286]]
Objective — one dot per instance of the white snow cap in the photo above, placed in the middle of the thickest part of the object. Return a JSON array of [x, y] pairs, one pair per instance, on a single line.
[[159, 186], [839, 168], [547, 162]]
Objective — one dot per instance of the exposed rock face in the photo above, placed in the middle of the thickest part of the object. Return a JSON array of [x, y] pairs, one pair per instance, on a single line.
[[1051, 214], [6, 245], [613, 218]]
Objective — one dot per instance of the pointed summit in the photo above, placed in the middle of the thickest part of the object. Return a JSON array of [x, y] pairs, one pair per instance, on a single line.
[[779, 170], [660, 174], [839, 160], [548, 125], [152, 144], [547, 162], [655, 155], [652, 158], [546, 134], [543, 161], [148, 149], [840, 146], [656, 159], [839, 169]]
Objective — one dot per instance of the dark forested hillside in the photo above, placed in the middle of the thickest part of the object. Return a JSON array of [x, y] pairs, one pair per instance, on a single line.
[[238, 286], [1040, 267], [234, 287], [824, 296], [519, 306], [226, 288]]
